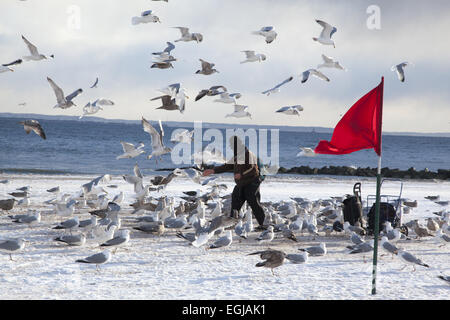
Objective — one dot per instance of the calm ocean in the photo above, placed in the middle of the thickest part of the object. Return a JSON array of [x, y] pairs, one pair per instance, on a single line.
[[78, 147]]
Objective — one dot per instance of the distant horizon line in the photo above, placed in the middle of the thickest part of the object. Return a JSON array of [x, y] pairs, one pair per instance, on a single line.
[[312, 129]]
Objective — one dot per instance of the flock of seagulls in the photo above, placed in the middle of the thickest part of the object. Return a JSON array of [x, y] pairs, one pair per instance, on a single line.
[[174, 97], [203, 213], [201, 219]]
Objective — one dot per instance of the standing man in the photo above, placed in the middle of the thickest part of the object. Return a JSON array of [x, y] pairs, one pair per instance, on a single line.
[[244, 164]]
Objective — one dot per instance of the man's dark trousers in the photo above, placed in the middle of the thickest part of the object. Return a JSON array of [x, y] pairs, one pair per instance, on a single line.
[[249, 193]]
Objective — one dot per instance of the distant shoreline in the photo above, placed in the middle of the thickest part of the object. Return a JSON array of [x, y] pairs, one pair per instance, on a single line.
[[177, 124], [338, 171]]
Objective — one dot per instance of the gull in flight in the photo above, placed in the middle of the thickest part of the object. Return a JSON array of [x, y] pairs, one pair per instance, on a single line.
[[172, 90], [6, 66], [164, 56], [187, 36], [158, 147], [399, 69], [207, 68], [306, 152], [277, 87], [226, 97], [305, 75], [252, 57], [35, 55], [162, 181], [327, 33], [182, 136], [63, 102], [95, 83], [130, 151], [166, 51], [266, 32], [208, 156], [35, 126], [329, 62], [291, 110], [161, 65], [213, 91], [89, 109], [145, 17], [169, 103], [239, 112], [92, 108], [103, 102]]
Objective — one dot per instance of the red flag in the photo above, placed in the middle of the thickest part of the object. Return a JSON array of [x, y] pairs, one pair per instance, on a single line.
[[359, 128]]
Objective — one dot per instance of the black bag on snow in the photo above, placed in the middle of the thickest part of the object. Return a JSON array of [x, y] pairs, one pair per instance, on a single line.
[[353, 207], [352, 210], [387, 213]]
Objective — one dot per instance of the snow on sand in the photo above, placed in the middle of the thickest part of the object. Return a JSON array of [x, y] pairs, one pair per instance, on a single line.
[[169, 268]]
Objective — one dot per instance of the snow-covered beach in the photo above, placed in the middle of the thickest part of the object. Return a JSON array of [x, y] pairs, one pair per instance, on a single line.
[[167, 267]]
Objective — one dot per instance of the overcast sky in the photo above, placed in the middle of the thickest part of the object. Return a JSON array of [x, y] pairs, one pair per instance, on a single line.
[[108, 46]]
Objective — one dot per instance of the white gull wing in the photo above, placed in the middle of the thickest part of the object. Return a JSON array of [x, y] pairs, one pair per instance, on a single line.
[[328, 30], [278, 86], [156, 138], [58, 91], [31, 47]]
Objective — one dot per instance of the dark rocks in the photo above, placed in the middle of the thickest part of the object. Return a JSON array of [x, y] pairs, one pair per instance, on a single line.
[[411, 173]]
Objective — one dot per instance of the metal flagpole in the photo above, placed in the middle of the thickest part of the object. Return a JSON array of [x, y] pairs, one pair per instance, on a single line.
[[376, 230], [377, 205]]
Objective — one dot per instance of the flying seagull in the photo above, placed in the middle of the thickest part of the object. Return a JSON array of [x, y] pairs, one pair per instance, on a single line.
[[239, 112], [277, 87], [399, 69], [291, 110], [266, 32], [166, 51], [95, 83], [130, 151], [33, 125], [145, 17], [167, 103], [63, 102], [187, 36], [35, 55], [329, 62], [89, 109], [158, 147], [305, 75], [252, 57], [6, 66], [226, 97], [161, 65], [326, 34], [213, 91], [207, 68]]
